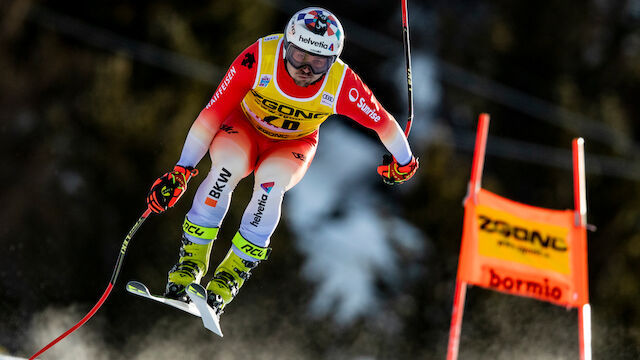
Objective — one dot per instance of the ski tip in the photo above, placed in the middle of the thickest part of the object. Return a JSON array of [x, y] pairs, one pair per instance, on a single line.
[[210, 319], [197, 290], [136, 287]]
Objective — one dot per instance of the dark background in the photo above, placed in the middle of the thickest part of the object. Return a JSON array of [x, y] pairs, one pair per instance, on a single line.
[[96, 99]]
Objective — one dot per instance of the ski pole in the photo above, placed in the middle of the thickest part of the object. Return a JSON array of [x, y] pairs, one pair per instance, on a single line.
[[387, 159], [407, 57], [114, 276]]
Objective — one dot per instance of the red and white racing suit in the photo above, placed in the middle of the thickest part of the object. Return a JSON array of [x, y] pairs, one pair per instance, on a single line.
[[259, 120]]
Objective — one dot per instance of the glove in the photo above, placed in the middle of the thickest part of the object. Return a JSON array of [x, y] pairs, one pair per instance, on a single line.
[[393, 173], [166, 191]]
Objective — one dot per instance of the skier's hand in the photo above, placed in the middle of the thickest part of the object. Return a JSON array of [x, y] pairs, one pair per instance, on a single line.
[[166, 191], [393, 173]]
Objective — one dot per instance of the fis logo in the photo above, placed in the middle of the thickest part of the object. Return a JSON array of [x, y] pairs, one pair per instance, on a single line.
[[264, 80]]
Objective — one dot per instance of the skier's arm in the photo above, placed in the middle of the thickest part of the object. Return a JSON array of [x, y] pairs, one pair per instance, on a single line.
[[357, 102], [238, 80]]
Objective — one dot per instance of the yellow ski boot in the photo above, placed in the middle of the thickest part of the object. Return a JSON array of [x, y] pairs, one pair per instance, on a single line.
[[232, 272], [193, 262]]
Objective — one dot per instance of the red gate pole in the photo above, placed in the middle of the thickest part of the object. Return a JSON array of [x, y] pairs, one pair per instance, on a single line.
[[580, 208], [461, 286]]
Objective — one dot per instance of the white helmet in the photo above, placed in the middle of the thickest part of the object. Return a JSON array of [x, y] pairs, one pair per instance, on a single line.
[[316, 31]]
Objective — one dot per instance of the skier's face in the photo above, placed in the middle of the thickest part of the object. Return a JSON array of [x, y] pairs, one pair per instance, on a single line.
[[319, 64], [302, 76], [305, 68]]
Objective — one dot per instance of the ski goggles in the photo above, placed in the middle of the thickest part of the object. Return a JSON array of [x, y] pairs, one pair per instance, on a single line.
[[298, 58]]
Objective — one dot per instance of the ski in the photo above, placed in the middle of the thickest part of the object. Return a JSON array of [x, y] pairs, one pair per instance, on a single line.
[[138, 288], [196, 307], [210, 319]]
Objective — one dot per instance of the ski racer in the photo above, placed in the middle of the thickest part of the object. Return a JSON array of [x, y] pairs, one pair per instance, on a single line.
[[264, 118]]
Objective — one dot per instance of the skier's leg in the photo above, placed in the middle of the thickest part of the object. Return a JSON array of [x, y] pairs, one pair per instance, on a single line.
[[233, 154], [280, 168], [232, 157]]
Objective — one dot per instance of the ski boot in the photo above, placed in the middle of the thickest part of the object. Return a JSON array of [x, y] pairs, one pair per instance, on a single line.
[[191, 267], [232, 272]]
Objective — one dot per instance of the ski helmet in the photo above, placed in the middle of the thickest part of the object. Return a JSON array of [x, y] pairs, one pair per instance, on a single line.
[[316, 31]]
